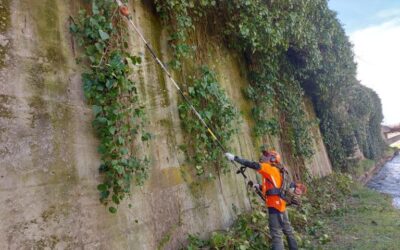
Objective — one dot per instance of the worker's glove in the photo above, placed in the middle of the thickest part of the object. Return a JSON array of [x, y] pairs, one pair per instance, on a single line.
[[292, 187], [230, 156], [257, 186]]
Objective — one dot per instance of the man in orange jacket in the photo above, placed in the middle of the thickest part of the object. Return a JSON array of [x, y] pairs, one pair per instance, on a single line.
[[271, 182]]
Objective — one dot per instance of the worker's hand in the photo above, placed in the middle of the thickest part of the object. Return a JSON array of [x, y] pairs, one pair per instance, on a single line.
[[257, 186], [230, 156], [292, 187]]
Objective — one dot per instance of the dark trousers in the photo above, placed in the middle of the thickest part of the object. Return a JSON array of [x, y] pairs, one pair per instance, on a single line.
[[278, 223]]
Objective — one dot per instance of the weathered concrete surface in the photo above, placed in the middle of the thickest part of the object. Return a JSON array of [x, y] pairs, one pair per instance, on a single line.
[[319, 165], [48, 159]]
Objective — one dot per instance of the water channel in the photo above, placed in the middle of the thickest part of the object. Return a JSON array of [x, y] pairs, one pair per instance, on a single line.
[[387, 180]]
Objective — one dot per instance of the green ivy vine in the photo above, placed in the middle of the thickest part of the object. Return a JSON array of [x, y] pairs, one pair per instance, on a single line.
[[108, 87], [258, 31], [181, 16], [292, 49], [211, 102], [203, 89]]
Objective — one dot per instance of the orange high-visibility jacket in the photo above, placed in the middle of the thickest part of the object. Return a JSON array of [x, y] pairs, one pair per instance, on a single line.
[[272, 178]]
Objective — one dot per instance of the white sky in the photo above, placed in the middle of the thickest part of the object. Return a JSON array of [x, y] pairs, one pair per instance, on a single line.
[[377, 53]]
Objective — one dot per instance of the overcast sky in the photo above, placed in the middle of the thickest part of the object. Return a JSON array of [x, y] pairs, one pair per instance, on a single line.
[[374, 28]]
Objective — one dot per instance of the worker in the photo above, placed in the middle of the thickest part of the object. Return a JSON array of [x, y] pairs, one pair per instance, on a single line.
[[272, 180]]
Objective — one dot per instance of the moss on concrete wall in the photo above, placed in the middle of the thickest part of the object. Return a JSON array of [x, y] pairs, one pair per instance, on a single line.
[[4, 26]]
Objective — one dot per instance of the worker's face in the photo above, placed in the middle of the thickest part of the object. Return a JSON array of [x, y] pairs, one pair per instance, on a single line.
[[267, 158]]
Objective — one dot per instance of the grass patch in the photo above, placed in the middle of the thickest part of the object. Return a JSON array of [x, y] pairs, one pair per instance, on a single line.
[[369, 222], [362, 167]]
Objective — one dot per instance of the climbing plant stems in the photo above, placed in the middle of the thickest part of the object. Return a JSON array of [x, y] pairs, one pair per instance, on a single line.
[[249, 26], [212, 103], [203, 89], [118, 114], [293, 50]]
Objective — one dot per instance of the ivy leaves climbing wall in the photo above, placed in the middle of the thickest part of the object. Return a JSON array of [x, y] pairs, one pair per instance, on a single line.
[[259, 32], [220, 114], [292, 49], [203, 90], [109, 89]]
